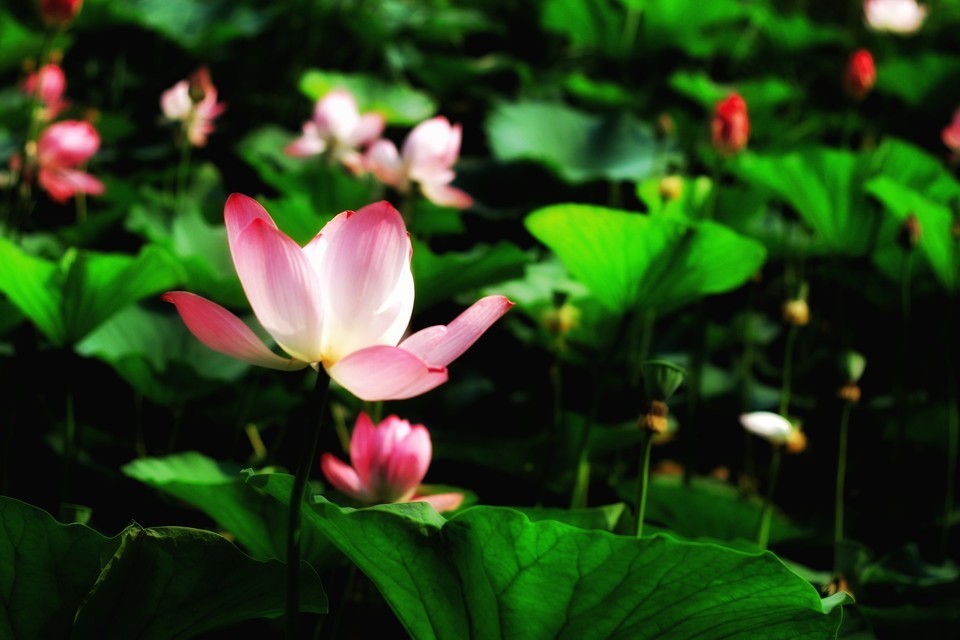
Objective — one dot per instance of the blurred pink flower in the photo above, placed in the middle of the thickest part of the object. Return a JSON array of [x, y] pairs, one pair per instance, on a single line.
[[951, 133], [51, 84], [62, 147], [194, 104], [861, 74], [730, 129], [338, 129], [429, 153], [897, 16], [388, 463], [342, 302], [59, 13]]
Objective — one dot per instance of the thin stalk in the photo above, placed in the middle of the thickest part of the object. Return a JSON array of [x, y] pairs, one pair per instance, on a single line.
[[307, 453], [69, 451], [899, 392], [763, 531], [183, 169], [788, 369], [841, 483], [643, 482], [953, 435]]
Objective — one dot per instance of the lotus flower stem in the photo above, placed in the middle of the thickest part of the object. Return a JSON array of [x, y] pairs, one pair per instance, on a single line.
[[643, 482], [763, 531], [788, 369], [183, 168], [841, 482], [953, 433], [308, 452]]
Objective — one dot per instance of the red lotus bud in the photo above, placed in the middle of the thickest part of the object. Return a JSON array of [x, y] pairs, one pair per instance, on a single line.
[[59, 13], [861, 74], [731, 125]]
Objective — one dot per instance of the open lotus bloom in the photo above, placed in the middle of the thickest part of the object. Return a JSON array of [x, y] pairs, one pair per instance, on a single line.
[[342, 302], [429, 153], [896, 16], [338, 129], [388, 463], [194, 104], [49, 84], [62, 147]]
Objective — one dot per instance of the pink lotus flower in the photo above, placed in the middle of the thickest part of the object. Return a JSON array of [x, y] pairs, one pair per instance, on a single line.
[[389, 462], [861, 74], [897, 16], [194, 104], [338, 129], [429, 153], [342, 302], [62, 148], [730, 129], [951, 133], [59, 13], [49, 83]]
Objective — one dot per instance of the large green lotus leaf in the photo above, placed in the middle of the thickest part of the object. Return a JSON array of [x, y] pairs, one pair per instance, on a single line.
[[218, 489], [578, 146], [69, 299], [603, 518], [917, 80], [588, 24], [200, 25], [701, 29], [398, 104], [481, 266], [795, 32], [759, 94], [915, 168], [490, 572], [824, 186], [936, 222], [59, 581], [630, 261], [19, 43], [159, 357], [709, 508]]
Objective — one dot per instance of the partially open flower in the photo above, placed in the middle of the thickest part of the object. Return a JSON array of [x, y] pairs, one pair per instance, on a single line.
[[339, 130], [64, 146], [896, 16], [389, 462], [429, 153], [342, 302], [951, 133], [768, 425], [730, 129], [193, 103], [860, 75]]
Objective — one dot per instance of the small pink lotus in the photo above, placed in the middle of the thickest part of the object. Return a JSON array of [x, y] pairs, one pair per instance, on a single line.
[[860, 75], [896, 16], [730, 129], [194, 104], [339, 130], [49, 83], [429, 153], [64, 146], [342, 302], [59, 14], [388, 463], [951, 133]]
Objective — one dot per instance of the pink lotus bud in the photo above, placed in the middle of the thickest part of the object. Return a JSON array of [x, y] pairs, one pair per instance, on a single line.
[[951, 133], [731, 125], [861, 74], [896, 16], [50, 84], [59, 13], [429, 153], [193, 103], [388, 463], [61, 149]]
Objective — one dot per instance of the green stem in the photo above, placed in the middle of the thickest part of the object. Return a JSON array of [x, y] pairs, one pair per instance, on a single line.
[[899, 392], [630, 27], [763, 531], [841, 483], [307, 453], [953, 436], [788, 369], [183, 169], [69, 452], [643, 482]]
